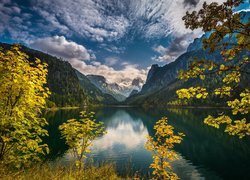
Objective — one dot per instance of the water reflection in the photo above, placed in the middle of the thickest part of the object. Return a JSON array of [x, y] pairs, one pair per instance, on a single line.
[[205, 152], [185, 169], [122, 131], [124, 142]]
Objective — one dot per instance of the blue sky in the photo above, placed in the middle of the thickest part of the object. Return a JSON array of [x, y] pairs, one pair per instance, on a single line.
[[119, 39]]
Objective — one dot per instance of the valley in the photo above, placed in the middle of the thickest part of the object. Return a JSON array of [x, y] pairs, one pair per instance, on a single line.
[[116, 89]]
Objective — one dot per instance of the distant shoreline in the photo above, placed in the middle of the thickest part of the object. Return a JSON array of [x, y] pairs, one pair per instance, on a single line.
[[61, 108], [198, 107], [138, 106]]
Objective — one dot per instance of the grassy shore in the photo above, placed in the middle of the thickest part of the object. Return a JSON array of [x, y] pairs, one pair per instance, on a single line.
[[47, 172]]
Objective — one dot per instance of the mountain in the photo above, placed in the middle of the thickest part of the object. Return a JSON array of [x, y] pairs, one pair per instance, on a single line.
[[166, 95], [134, 92], [118, 92], [162, 82], [110, 88], [93, 92], [159, 77], [68, 87], [137, 83]]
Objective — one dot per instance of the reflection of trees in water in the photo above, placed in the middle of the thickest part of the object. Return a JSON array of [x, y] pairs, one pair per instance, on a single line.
[[122, 117], [136, 116], [212, 148], [123, 130], [183, 112], [56, 144], [204, 146]]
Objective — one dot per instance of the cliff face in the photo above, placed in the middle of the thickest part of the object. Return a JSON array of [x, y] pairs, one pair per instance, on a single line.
[[159, 77], [162, 82]]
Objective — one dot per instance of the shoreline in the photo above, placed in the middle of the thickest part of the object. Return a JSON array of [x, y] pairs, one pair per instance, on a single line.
[[137, 106], [61, 108]]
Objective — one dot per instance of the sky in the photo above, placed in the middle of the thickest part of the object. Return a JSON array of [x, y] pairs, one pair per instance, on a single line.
[[119, 39]]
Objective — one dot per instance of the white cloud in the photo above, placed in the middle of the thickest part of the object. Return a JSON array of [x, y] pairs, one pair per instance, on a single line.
[[5, 13], [110, 61], [171, 14], [53, 23], [116, 136], [134, 130], [178, 9], [13, 22], [95, 63], [101, 21], [77, 55], [123, 77], [113, 49], [177, 46], [160, 49], [112, 20], [60, 47], [181, 37], [86, 18]]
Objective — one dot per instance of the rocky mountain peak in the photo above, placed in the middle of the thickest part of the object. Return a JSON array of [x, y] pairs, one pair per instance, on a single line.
[[151, 72], [99, 78], [137, 82]]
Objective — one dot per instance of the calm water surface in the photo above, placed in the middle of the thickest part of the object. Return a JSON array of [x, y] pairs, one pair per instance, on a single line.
[[205, 153]]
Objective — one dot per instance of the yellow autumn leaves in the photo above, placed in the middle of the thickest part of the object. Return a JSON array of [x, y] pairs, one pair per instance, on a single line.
[[79, 135], [22, 96], [162, 145], [197, 92], [229, 34]]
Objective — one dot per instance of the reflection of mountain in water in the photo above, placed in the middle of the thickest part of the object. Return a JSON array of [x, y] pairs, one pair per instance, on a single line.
[[122, 130], [205, 152]]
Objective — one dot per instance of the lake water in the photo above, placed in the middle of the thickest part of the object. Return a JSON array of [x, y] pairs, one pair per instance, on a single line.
[[205, 153]]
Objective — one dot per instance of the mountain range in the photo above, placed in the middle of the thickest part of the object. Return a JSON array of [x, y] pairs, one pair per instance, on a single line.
[[162, 82], [68, 86], [118, 92]]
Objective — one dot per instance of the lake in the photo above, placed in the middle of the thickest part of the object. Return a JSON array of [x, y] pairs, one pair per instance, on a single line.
[[205, 153]]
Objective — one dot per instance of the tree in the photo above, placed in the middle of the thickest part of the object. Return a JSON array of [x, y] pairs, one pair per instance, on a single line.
[[79, 135], [229, 33], [162, 145], [22, 96]]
